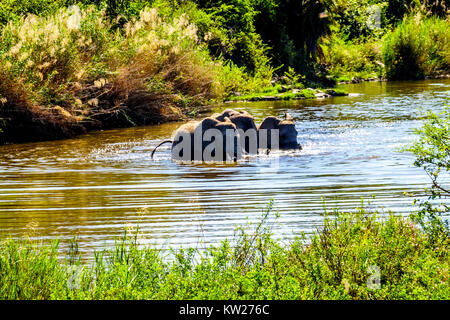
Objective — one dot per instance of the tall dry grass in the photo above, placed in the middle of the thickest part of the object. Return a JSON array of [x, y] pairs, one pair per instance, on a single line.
[[74, 70]]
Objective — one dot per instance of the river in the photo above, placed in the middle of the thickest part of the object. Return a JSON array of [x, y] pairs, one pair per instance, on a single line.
[[94, 185]]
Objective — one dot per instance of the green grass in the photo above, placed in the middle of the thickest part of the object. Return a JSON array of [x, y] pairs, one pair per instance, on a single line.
[[278, 92], [348, 60], [414, 49], [342, 260]]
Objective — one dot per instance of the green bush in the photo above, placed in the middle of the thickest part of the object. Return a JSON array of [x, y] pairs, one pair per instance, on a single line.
[[359, 19], [396, 10], [432, 152], [352, 59], [15, 9], [417, 48], [354, 256]]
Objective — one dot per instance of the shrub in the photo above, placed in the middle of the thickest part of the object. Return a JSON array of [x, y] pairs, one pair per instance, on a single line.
[[15, 9], [74, 68], [432, 152], [360, 19], [356, 255], [396, 10], [417, 48], [348, 59]]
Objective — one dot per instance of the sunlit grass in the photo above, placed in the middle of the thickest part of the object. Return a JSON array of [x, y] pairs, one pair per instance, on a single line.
[[353, 256], [418, 48]]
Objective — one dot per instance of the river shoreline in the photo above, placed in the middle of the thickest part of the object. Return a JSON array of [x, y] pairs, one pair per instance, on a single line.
[[22, 127]]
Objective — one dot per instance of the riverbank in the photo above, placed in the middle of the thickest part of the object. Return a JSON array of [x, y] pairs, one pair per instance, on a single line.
[[287, 93], [353, 256]]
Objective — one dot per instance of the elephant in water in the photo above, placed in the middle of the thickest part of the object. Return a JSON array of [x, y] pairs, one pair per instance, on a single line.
[[206, 140], [287, 134], [246, 126], [227, 113], [234, 134]]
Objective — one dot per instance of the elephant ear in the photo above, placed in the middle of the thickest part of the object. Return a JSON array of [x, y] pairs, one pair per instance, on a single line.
[[226, 123], [243, 121], [241, 115], [229, 112], [216, 116], [288, 117]]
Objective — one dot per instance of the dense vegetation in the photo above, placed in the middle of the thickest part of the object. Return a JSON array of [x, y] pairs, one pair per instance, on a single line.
[[264, 34], [71, 70], [68, 66], [356, 255]]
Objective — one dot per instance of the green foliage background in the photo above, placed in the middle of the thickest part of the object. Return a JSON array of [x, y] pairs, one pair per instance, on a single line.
[[264, 34]]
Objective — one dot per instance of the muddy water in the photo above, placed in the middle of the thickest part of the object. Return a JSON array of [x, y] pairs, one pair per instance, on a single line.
[[94, 185]]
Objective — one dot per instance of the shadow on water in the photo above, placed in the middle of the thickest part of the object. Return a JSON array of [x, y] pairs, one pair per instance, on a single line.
[[95, 184]]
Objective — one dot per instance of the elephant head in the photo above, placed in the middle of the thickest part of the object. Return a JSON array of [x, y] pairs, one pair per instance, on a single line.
[[228, 113], [286, 130], [206, 140], [246, 126]]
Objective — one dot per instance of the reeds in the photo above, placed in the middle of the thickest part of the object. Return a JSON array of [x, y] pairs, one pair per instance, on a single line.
[[73, 71]]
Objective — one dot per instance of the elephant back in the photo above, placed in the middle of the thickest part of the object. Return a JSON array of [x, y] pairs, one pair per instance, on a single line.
[[270, 123]]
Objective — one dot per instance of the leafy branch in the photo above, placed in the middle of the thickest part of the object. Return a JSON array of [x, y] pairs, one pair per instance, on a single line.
[[432, 150]]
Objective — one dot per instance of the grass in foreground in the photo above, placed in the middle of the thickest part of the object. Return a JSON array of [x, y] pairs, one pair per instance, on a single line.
[[354, 256]]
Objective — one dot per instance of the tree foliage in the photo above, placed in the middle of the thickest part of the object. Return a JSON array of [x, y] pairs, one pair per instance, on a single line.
[[432, 152], [260, 35]]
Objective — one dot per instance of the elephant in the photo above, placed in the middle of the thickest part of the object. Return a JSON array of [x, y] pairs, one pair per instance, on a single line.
[[244, 121], [195, 141], [246, 126], [235, 134], [287, 133], [227, 113]]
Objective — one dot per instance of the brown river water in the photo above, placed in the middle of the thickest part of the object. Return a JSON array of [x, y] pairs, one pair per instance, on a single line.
[[94, 185]]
